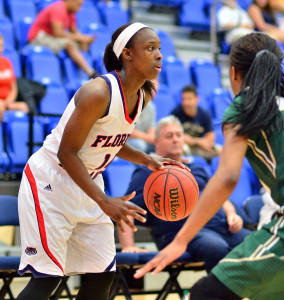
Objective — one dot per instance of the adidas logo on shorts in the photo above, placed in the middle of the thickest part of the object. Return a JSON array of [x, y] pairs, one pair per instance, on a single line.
[[48, 188]]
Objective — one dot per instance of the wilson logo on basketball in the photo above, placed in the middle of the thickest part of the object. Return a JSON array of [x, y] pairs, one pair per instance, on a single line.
[[174, 196], [157, 201]]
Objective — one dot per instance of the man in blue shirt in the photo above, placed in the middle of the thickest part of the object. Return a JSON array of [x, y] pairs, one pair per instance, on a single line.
[[222, 233], [197, 125]]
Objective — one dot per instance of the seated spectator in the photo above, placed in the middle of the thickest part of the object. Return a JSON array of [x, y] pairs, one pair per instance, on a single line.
[[197, 125], [234, 20], [55, 27], [143, 135], [217, 238], [264, 19], [8, 85]]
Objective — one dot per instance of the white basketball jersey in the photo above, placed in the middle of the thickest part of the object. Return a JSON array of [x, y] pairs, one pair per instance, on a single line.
[[108, 134]]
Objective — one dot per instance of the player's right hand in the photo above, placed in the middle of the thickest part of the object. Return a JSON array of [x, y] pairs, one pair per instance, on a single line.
[[118, 209]]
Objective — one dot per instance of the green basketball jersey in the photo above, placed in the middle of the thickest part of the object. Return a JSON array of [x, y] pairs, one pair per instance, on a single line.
[[265, 153]]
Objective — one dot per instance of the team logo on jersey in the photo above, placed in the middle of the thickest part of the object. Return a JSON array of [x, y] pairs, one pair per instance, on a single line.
[[30, 251], [48, 188]]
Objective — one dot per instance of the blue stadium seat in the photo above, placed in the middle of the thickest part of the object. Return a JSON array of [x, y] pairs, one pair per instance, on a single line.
[[14, 57], [22, 13], [175, 75], [16, 130], [22, 28], [244, 187], [6, 29], [54, 102], [103, 37], [112, 15], [4, 160], [192, 14], [119, 173], [167, 44], [201, 161], [170, 3], [2, 9], [88, 16], [42, 65], [74, 77], [41, 4], [205, 75], [164, 102], [99, 64], [220, 99]]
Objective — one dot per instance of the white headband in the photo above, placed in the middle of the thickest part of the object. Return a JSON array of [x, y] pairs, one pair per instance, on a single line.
[[125, 36]]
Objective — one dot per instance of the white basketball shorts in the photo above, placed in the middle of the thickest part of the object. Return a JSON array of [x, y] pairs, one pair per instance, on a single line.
[[63, 231]]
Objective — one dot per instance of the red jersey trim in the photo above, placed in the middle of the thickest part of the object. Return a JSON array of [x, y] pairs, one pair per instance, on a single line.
[[126, 113], [39, 215]]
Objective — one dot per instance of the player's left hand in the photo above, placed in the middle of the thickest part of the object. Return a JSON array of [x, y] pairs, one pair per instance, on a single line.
[[158, 163]]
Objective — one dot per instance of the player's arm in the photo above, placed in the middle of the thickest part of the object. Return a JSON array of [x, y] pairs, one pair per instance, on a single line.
[[216, 192], [91, 104]]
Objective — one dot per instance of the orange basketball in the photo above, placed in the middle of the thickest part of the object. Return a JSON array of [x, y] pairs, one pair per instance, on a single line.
[[171, 194]]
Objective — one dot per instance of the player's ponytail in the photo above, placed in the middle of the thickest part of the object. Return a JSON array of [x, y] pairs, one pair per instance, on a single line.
[[114, 61], [257, 58]]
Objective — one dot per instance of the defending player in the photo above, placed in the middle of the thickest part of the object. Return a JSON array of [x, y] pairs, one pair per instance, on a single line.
[[253, 127]]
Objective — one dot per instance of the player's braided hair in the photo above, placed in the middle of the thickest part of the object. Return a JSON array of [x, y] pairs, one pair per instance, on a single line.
[[257, 58], [113, 63]]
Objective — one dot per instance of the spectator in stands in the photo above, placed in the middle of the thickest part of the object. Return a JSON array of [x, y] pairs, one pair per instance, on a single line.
[[142, 137], [197, 125], [264, 19], [219, 236], [234, 20], [8, 85], [55, 27]]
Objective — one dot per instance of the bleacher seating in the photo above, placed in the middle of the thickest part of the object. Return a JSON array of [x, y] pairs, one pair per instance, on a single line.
[[4, 160], [244, 188], [16, 131], [167, 44], [175, 76], [112, 15], [75, 77], [42, 65], [87, 17], [219, 99], [15, 59], [119, 173], [201, 70], [164, 102], [22, 14], [6, 30], [192, 14]]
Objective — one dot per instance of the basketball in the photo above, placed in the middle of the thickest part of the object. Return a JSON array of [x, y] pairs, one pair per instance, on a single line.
[[171, 194]]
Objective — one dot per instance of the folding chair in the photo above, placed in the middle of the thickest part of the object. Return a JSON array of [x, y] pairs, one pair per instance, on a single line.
[[127, 263], [9, 264]]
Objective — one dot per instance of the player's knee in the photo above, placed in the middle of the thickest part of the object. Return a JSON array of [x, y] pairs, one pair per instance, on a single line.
[[210, 288]]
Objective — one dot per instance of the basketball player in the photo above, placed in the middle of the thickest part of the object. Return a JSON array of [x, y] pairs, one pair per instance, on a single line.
[[65, 216], [253, 127]]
